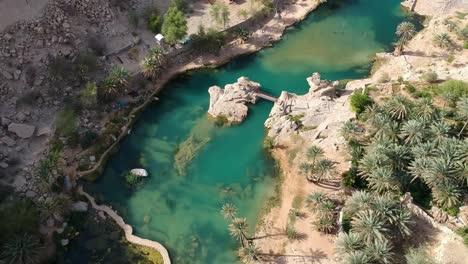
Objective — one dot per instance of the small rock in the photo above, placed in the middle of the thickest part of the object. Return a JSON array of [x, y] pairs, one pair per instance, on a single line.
[[41, 131], [17, 74], [7, 75], [30, 194], [8, 141], [22, 130], [20, 116], [102, 215], [64, 242], [4, 121], [92, 158], [7, 37], [79, 206], [3, 165]]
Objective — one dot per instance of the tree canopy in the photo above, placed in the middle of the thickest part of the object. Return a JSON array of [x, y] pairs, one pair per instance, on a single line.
[[174, 26]]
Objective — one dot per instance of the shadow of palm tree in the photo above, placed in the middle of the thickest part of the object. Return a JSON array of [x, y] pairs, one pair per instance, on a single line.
[[313, 256]]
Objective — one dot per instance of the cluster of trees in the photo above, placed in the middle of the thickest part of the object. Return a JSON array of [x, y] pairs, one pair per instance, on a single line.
[[378, 224], [325, 211], [317, 168], [238, 228], [405, 145]]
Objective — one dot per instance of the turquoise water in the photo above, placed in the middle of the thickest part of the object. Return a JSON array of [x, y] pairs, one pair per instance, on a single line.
[[179, 203]]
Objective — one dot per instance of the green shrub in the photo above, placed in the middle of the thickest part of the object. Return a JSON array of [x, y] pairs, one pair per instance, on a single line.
[[410, 88], [451, 58], [430, 77], [174, 25], [465, 46], [88, 95], [463, 232], [66, 123], [359, 101], [154, 23], [132, 180], [348, 179], [291, 232], [17, 218], [452, 211], [88, 138]]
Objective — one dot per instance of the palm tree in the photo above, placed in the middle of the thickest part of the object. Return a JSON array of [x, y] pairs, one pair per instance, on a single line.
[[229, 211], [314, 152], [440, 171], [380, 252], [382, 180], [348, 243], [326, 208], [119, 76], [56, 205], [424, 109], [249, 254], [399, 107], [324, 224], [306, 169], [237, 229], [419, 168], [423, 150], [152, 65], [323, 170], [358, 257], [442, 40], [447, 195], [439, 131], [369, 226], [314, 199], [359, 201], [462, 112], [401, 221], [405, 31], [413, 132], [23, 249], [349, 130], [371, 161]]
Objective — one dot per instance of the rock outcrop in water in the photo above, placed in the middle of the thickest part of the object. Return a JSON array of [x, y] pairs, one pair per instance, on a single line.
[[231, 102], [306, 112]]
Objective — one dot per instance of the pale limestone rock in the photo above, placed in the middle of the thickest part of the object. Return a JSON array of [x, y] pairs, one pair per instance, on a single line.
[[311, 109], [231, 102], [22, 130], [139, 172]]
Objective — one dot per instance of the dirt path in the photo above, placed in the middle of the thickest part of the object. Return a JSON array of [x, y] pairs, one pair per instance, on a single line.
[[12, 11]]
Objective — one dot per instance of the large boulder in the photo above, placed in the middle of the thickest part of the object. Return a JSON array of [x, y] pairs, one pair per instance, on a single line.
[[231, 102], [22, 130]]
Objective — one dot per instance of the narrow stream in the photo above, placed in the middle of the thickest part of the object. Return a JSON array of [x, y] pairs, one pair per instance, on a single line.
[[179, 204]]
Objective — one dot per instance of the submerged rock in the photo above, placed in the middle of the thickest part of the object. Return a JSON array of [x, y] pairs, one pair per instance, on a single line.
[[231, 102]]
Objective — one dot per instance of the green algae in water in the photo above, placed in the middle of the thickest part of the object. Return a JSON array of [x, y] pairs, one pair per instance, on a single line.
[[232, 166]]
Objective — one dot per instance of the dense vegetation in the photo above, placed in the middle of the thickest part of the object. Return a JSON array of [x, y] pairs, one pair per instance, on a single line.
[[397, 146]]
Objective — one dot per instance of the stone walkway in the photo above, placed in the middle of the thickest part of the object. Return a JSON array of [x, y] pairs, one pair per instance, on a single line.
[[128, 230]]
